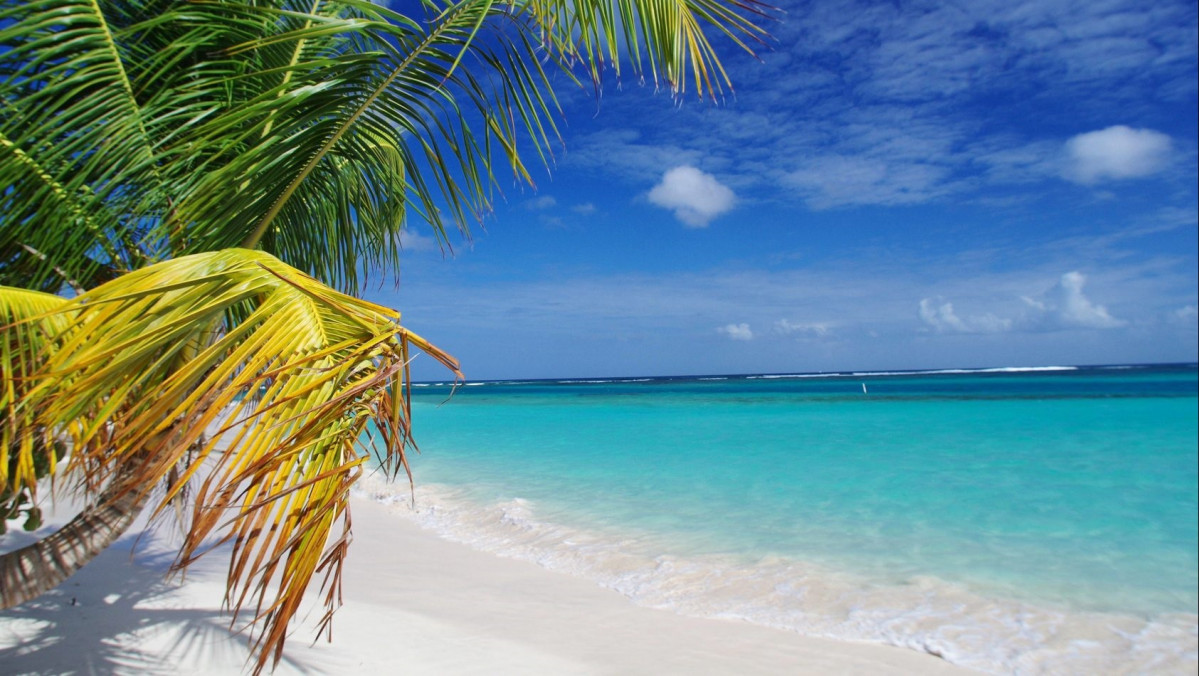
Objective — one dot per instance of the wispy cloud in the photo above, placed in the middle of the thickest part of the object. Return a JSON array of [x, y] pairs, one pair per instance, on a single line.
[[879, 103], [412, 240], [554, 214], [627, 154], [541, 203], [942, 317], [839, 180], [695, 197], [787, 327]]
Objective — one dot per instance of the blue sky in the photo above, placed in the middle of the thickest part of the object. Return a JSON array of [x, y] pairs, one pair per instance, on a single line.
[[893, 185]]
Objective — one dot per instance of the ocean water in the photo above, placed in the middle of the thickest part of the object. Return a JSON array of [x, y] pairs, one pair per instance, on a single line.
[[1009, 520]]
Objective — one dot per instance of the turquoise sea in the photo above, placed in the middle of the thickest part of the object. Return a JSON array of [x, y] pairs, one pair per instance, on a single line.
[[1011, 520]]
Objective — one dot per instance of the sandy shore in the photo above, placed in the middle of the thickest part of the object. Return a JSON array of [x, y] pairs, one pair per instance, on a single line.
[[414, 604]]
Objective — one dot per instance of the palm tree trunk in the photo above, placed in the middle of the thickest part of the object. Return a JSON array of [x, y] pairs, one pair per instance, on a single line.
[[30, 571]]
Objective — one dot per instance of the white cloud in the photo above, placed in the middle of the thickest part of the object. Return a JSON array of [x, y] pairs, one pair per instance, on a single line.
[[940, 317], [1116, 153], [695, 197], [1064, 306], [737, 331], [786, 327], [585, 209], [1073, 309], [943, 318]]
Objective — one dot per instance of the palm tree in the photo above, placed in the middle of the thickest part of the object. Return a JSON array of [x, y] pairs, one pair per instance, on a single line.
[[175, 178]]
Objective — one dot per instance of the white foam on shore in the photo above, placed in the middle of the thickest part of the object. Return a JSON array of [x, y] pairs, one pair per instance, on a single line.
[[921, 613]]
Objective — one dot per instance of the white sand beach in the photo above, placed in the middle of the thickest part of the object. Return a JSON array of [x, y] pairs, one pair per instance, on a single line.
[[414, 604]]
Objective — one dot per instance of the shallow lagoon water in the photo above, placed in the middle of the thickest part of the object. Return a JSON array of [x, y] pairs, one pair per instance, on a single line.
[[1012, 520]]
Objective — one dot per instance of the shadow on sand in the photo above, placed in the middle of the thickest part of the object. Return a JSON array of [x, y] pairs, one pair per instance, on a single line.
[[118, 616]]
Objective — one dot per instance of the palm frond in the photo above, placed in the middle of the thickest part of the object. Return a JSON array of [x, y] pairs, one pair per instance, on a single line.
[[136, 130], [396, 86], [662, 38], [77, 142], [29, 323], [298, 384]]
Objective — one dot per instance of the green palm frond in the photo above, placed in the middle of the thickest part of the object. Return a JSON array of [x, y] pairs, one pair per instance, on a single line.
[[398, 89], [662, 38], [69, 110], [298, 384], [137, 130]]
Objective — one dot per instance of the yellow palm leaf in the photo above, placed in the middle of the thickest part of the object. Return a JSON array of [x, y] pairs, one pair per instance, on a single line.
[[28, 323], [295, 372]]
